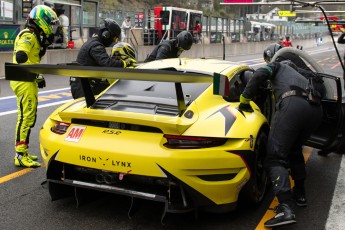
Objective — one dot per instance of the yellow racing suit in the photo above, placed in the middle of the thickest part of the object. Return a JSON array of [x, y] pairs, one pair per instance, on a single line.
[[26, 92]]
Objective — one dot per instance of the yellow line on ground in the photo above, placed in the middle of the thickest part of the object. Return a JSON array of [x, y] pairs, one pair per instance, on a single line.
[[269, 213], [14, 175]]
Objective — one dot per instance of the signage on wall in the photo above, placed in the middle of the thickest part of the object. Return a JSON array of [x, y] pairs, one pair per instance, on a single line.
[[26, 7], [286, 13], [138, 20], [8, 34], [216, 37], [235, 37]]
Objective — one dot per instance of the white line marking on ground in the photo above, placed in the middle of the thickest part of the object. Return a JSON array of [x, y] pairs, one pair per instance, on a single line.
[[42, 92], [336, 220], [38, 107]]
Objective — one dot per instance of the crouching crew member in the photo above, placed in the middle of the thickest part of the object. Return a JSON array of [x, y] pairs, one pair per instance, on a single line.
[[295, 95]]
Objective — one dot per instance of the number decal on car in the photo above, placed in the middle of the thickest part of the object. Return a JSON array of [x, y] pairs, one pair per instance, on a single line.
[[109, 131]]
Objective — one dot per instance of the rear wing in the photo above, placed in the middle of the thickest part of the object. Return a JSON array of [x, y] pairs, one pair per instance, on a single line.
[[28, 73]]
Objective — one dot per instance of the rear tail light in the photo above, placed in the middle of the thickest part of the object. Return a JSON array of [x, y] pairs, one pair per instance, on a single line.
[[60, 128], [188, 142]]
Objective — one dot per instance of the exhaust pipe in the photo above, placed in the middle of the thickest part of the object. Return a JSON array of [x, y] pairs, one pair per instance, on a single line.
[[109, 179], [106, 178], [100, 178]]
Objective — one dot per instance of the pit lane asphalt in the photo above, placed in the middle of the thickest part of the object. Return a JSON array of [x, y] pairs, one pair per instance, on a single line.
[[26, 204]]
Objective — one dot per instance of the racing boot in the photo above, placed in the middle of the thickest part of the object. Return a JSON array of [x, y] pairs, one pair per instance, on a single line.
[[32, 157], [284, 215], [23, 160], [298, 195]]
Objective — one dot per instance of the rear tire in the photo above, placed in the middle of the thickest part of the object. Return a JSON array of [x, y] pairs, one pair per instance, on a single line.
[[255, 189]]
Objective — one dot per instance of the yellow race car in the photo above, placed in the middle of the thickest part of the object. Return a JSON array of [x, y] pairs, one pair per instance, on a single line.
[[168, 131]]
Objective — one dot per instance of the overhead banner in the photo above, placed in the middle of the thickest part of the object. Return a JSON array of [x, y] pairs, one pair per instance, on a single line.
[[8, 34], [286, 13], [238, 1]]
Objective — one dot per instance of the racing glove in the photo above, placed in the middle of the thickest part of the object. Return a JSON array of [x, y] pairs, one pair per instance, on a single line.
[[244, 105], [50, 40], [129, 62], [116, 55], [41, 82]]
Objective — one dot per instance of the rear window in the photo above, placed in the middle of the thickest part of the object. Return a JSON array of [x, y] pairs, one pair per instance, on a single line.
[[155, 89]]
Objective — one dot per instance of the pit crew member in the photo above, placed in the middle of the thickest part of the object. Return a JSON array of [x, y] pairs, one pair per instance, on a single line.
[[93, 53], [172, 48], [295, 95]]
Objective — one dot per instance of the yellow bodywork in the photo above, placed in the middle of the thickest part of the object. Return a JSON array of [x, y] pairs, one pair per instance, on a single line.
[[133, 152]]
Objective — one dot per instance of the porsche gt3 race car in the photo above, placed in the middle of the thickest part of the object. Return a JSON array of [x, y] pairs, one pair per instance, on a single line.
[[167, 134], [168, 131]]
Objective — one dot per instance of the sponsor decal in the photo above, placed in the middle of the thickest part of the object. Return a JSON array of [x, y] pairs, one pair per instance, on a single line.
[[241, 184], [121, 175], [121, 164], [87, 158], [189, 114], [229, 116], [75, 133], [250, 140], [106, 161]]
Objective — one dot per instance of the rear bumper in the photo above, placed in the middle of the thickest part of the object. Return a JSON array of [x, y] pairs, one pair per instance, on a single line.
[[66, 180]]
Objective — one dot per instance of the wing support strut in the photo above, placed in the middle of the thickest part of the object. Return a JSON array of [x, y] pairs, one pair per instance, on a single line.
[[180, 99]]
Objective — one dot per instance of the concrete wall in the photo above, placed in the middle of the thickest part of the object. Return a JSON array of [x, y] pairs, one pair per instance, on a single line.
[[54, 56]]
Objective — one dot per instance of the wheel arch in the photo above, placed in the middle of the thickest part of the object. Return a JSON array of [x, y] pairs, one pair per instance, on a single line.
[[256, 188]]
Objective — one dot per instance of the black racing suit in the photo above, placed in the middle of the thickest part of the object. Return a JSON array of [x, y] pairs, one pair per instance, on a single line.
[[293, 122], [93, 53], [166, 49], [294, 61]]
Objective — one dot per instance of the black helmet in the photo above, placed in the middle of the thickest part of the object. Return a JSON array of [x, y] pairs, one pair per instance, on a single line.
[[59, 11], [270, 51], [109, 29], [184, 40]]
